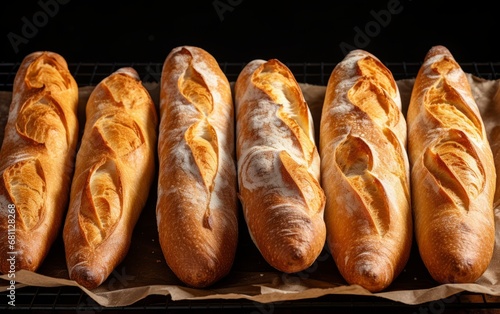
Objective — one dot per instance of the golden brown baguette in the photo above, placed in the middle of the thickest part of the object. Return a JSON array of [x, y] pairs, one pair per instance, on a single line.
[[114, 169], [37, 158], [197, 207], [494, 139], [365, 172], [453, 173], [278, 166]]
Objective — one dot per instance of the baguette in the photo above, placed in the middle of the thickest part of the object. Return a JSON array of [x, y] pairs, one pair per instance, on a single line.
[[197, 206], [278, 167], [453, 174], [365, 172], [37, 159], [494, 139], [114, 169]]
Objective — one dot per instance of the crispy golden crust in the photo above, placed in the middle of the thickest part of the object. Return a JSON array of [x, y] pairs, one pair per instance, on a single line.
[[114, 169], [453, 173], [197, 208], [278, 167], [37, 157], [365, 172]]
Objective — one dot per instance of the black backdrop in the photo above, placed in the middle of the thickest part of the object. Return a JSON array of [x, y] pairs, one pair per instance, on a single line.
[[241, 30]]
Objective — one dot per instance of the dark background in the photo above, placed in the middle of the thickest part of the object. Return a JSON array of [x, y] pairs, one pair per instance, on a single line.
[[242, 30]]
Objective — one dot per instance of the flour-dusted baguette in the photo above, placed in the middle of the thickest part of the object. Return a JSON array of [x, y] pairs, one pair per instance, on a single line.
[[114, 169], [453, 173], [494, 139], [197, 207], [278, 166], [365, 172], [37, 159]]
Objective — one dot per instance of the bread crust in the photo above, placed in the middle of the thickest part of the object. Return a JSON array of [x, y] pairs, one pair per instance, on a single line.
[[37, 158], [365, 172], [197, 207], [115, 166], [453, 172], [278, 167]]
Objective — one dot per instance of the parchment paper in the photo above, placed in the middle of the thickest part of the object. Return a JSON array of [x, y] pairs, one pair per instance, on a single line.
[[144, 271]]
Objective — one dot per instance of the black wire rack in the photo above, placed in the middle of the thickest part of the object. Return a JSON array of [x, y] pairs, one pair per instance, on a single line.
[[71, 299], [87, 74], [67, 299]]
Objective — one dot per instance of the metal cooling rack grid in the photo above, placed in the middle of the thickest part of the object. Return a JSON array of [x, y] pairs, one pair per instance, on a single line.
[[71, 299]]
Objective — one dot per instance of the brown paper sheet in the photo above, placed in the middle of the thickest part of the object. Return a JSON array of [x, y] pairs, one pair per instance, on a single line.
[[144, 271]]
